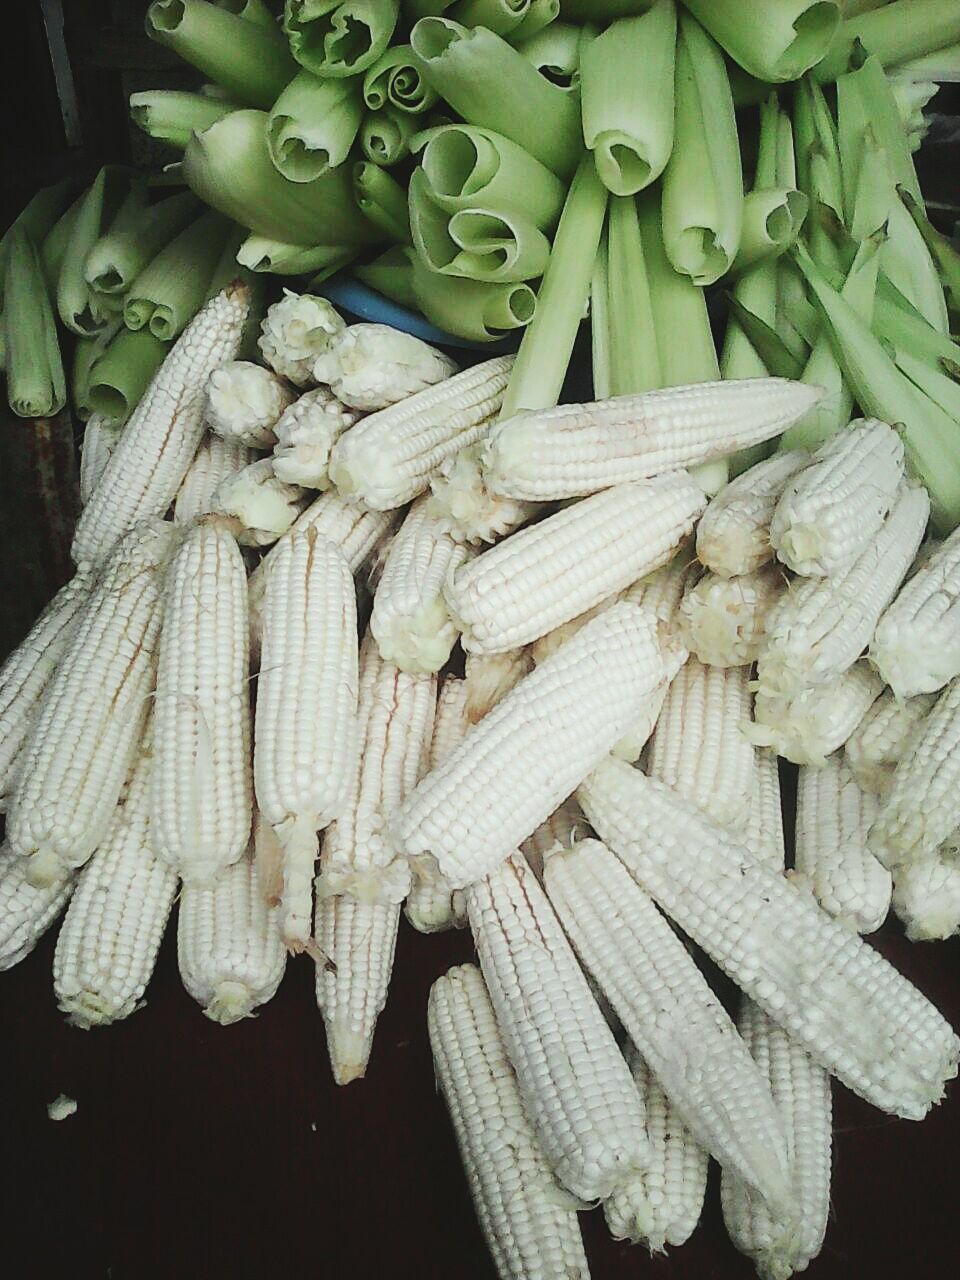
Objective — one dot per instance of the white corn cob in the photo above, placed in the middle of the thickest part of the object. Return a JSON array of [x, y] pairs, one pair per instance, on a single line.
[[661, 594], [110, 936], [371, 366], [258, 507], [833, 818], [699, 746], [515, 767], [561, 829], [550, 572], [662, 1205], [724, 620], [838, 997], [733, 536], [490, 677], [410, 619], [926, 895], [922, 807], [820, 626], [577, 449], [763, 832], [576, 1086], [85, 734], [546, 645], [215, 461], [670, 1013], [164, 431], [432, 904], [295, 331], [244, 401], [389, 457], [883, 737], [100, 437], [26, 912], [27, 671], [832, 511], [305, 741], [229, 948], [469, 511], [813, 723], [202, 779], [306, 431], [528, 1221], [916, 646], [363, 876]]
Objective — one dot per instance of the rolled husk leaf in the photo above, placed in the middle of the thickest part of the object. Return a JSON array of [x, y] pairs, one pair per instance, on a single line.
[[257, 253], [131, 243], [53, 249], [476, 309], [170, 115], [628, 118], [600, 320], [85, 354], [170, 290], [252, 10], [414, 10], [601, 11], [557, 53], [382, 199], [122, 371], [396, 80], [899, 323], [941, 249], [312, 126], [500, 16], [774, 40], [895, 33], [942, 66], [391, 274], [633, 355], [339, 39], [76, 307], [36, 387], [819, 173], [772, 219], [37, 218], [539, 15], [386, 136]]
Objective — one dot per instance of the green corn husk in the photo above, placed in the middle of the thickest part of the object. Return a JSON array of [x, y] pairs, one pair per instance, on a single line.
[[941, 249], [488, 83], [772, 220], [386, 136], [628, 118], [941, 387], [476, 309], [76, 306], [171, 116], [36, 387], [819, 173], [899, 323], [775, 40], [171, 289], [557, 53], [382, 199], [600, 327], [339, 39], [391, 274], [540, 15], [53, 250], [774, 357], [414, 10], [895, 33], [634, 355], [499, 16], [249, 60], [252, 10], [312, 126], [38, 218], [702, 183], [396, 79], [229, 168], [601, 11], [261, 255], [122, 371], [133, 241], [942, 66], [86, 352]]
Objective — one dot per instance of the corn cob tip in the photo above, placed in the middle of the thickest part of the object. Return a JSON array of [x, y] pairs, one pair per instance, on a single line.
[[237, 291], [349, 1051], [44, 869], [231, 1002], [86, 1009]]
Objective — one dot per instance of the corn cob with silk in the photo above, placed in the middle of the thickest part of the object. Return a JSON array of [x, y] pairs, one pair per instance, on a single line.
[[575, 1084], [699, 746], [108, 943], [85, 735], [883, 737], [256, 506], [528, 1221], [306, 431], [388, 459], [553, 571], [363, 876], [410, 619], [558, 833], [577, 449], [678, 1025], [807, 727], [490, 677], [926, 894], [27, 671], [244, 403], [164, 432], [547, 733], [100, 438], [214, 462], [820, 626], [850, 1009], [373, 366], [459, 496], [916, 646], [724, 620], [305, 741], [229, 948], [26, 911], [733, 536], [202, 780]]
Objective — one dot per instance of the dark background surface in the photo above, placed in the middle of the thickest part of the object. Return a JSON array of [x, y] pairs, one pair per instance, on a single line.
[[228, 1152]]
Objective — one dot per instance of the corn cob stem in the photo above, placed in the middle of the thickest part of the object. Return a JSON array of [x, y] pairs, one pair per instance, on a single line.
[[723, 620], [811, 724]]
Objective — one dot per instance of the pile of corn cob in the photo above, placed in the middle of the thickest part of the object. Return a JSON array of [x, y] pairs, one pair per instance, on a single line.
[[604, 766]]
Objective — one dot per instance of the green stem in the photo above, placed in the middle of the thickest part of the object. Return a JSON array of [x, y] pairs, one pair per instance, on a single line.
[[382, 199], [312, 126], [123, 252], [332, 39], [475, 309], [36, 387], [634, 354], [171, 115], [257, 253], [540, 15], [774, 40], [253, 10], [38, 219], [600, 321], [499, 16], [391, 274], [772, 219], [97, 210], [557, 53]]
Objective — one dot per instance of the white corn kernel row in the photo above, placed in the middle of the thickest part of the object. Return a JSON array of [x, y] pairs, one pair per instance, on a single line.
[[883, 737], [812, 723], [724, 620], [100, 438], [214, 462], [733, 536], [661, 594], [26, 912]]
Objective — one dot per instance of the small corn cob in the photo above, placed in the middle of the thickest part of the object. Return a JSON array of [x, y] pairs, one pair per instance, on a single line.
[[528, 754], [229, 948], [202, 782], [922, 807], [699, 746], [838, 997], [27, 671], [883, 737], [670, 1013], [109, 939], [807, 727], [724, 620], [575, 1084], [489, 678], [763, 832], [295, 331], [100, 437], [557, 834], [552, 571], [86, 732], [257, 506], [215, 461], [306, 432], [469, 511], [832, 511], [164, 431], [576, 449], [305, 741], [833, 818], [372, 366], [528, 1221], [820, 626], [662, 1205], [916, 646], [733, 536], [926, 895], [244, 402], [26, 912], [410, 619], [390, 457]]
